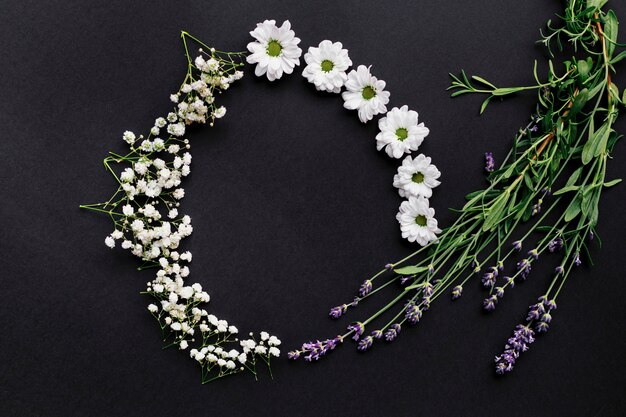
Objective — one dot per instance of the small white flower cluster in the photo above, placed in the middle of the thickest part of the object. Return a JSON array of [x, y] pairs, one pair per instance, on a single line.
[[275, 52], [145, 211]]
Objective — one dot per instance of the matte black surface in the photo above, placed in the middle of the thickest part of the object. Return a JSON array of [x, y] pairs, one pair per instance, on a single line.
[[292, 208]]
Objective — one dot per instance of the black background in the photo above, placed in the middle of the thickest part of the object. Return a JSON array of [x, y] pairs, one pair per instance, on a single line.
[[292, 208]]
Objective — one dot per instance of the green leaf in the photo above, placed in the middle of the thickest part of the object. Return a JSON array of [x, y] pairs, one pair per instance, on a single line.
[[410, 270], [483, 81], [573, 209], [574, 177], [618, 57], [595, 144], [610, 31], [612, 183], [505, 91], [579, 102], [583, 70], [567, 189], [494, 213], [485, 103]]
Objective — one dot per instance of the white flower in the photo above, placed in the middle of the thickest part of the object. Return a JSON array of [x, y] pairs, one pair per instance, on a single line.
[[177, 129], [276, 50], [416, 177], [265, 335], [128, 210], [110, 242], [152, 308], [417, 221], [184, 345], [219, 112], [365, 94], [400, 132], [326, 66], [274, 351], [129, 137]]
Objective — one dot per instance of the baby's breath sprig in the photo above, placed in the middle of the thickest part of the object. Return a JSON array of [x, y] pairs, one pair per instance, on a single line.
[[551, 180], [145, 214]]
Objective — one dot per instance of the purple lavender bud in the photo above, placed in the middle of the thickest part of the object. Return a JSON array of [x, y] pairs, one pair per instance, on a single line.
[[365, 288], [389, 266], [517, 245], [552, 305], [542, 327], [428, 289], [546, 317], [510, 281], [293, 355], [500, 292], [543, 299], [406, 278], [500, 266], [525, 267], [591, 235], [457, 292], [555, 245], [392, 332], [494, 270], [357, 328], [425, 303], [490, 163], [533, 254], [413, 314], [534, 128], [523, 336], [431, 269], [365, 343], [338, 311], [577, 260], [488, 280], [533, 314], [558, 270], [489, 304], [377, 334]]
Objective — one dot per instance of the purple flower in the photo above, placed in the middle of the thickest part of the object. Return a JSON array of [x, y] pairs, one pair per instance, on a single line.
[[534, 128], [431, 269], [546, 318], [428, 289], [490, 164], [357, 328], [523, 336], [577, 260], [500, 292], [591, 235], [500, 266], [489, 304], [524, 267], [413, 313], [542, 327], [457, 292], [406, 278], [551, 305], [389, 266], [377, 334], [365, 288], [488, 280], [533, 254], [517, 245], [315, 350], [338, 311], [365, 343], [558, 270], [555, 245], [510, 281], [392, 332]]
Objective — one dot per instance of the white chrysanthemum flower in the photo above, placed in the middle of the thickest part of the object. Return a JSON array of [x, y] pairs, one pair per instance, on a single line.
[[365, 93], [417, 221], [276, 50], [416, 177], [400, 132], [326, 66]]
